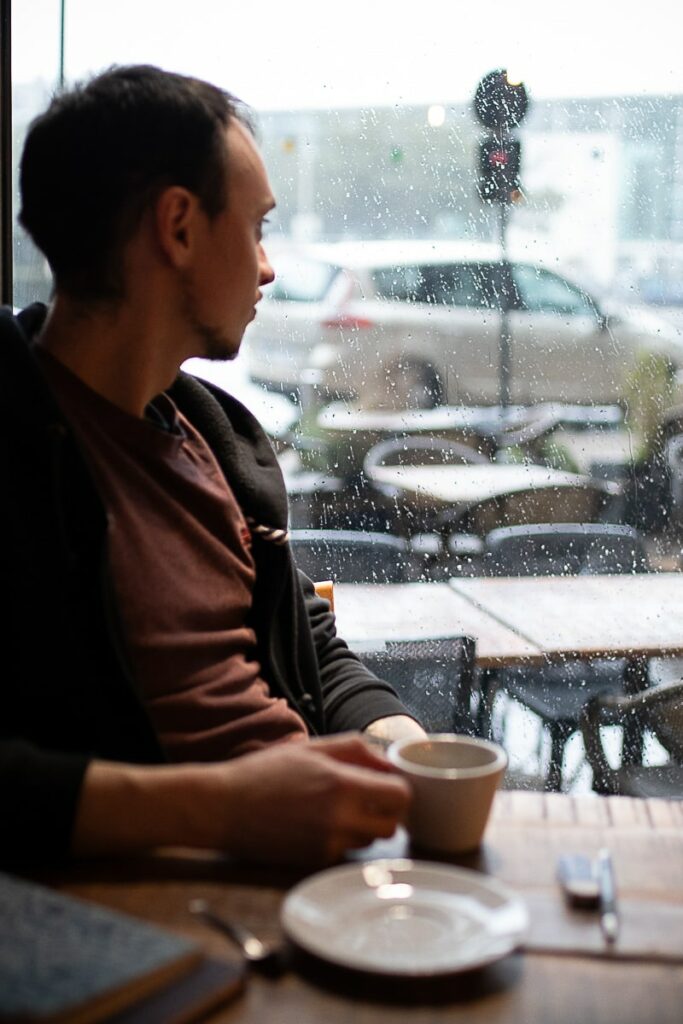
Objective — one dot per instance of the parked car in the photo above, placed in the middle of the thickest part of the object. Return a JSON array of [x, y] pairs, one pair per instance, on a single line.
[[417, 323]]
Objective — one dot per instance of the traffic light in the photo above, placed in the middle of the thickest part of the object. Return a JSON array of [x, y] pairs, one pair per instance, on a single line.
[[500, 105], [499, 161]]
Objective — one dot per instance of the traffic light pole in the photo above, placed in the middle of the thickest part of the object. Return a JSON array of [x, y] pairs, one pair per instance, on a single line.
[[500, 105], [505, 347]]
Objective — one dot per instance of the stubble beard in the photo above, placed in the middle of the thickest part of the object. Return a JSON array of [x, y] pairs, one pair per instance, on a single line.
[[213, 344]]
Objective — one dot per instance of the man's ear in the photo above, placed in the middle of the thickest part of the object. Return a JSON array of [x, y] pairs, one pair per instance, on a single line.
[[176, 212]]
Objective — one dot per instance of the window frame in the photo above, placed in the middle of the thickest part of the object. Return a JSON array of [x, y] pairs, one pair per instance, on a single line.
[[6, 274]]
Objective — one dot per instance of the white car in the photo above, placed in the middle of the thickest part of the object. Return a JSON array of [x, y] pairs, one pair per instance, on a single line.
[[417, 323]]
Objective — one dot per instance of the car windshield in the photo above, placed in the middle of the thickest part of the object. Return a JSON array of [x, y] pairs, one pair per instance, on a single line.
[[452, 284], [544, 292]]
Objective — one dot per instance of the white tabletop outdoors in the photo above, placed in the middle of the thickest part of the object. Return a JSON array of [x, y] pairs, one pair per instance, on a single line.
[[468, 484], [341, 416]]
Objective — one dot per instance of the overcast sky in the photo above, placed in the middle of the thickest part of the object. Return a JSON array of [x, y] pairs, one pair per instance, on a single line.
[[277, 54]]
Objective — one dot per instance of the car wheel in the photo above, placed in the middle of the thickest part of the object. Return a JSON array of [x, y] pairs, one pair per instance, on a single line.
[[416, 386]]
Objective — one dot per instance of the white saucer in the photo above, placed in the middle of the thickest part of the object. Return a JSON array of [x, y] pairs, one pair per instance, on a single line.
[[404, 917]]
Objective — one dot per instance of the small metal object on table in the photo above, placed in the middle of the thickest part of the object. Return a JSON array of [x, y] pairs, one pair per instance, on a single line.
[[609, 914], [257, 954]]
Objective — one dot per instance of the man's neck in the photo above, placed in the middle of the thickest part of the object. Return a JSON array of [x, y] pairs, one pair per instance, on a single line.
[[118, 352]]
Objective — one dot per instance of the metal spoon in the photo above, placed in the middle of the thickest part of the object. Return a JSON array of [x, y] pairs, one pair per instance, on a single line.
[[255, 952]]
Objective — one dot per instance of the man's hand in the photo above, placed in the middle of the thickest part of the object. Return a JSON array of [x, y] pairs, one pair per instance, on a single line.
[[309, 802], [294, 803], [395, 727]]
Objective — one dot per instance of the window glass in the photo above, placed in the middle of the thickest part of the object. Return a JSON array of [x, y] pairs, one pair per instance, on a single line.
[[462, 284], [540, 291], [457, 284], [301, 280], [405, 284], [373, 150], [35, 73]]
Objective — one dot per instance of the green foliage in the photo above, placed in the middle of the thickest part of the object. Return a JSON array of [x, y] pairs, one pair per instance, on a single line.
[[557, 455], [649, 393]]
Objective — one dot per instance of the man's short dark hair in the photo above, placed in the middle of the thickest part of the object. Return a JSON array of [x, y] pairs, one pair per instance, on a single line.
[[102, 152]]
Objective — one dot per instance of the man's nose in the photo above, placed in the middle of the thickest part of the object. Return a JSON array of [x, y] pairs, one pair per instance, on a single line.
[[266, 272]]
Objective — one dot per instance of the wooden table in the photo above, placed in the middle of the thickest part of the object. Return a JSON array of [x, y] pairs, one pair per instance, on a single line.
[[536, 986], [524, 620], [633, 616], [530, 621], [639, 615], [367, 613]]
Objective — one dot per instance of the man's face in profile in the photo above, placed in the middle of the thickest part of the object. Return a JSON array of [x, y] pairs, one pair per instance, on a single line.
[[223, 287]]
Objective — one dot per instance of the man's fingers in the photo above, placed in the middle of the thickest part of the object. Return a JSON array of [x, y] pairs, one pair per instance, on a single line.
[[333, 796], [366, 799], [388, 794], [363, 830], [369, 805]]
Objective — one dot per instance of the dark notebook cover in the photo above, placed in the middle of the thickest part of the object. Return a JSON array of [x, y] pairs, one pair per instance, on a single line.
[[212, 983], [66, 960]]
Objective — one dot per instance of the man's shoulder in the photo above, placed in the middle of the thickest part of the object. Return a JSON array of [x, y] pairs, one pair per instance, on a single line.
[[223, 420], [193, 394]]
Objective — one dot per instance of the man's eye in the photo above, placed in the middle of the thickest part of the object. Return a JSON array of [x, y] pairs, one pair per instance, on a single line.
[[262, 229]]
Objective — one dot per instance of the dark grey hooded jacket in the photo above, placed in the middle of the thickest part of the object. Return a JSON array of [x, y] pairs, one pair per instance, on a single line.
[[67, 692]]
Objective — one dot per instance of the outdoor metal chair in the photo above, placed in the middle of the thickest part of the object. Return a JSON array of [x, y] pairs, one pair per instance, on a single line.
[[564, 549], [409, 512], [433, 678], [557, 693], [418, 450], [658, 711], [315, 500], [351, 556]]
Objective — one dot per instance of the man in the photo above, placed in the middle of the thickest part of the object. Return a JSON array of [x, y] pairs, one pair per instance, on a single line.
[[165, 665]]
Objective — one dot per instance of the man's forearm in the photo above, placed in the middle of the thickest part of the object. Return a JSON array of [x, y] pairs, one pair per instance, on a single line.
[[126, 808], [291, 803]]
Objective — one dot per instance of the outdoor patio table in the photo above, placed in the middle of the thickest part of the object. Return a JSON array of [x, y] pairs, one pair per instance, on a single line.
[[524, 620], [486, 495], [486, 420], [633, 616], [530, 620], [465, 485], [565, 973], [626, 616], [367, 613]]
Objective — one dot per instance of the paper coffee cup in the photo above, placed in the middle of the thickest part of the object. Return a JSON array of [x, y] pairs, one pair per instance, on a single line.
[[454, 779]]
